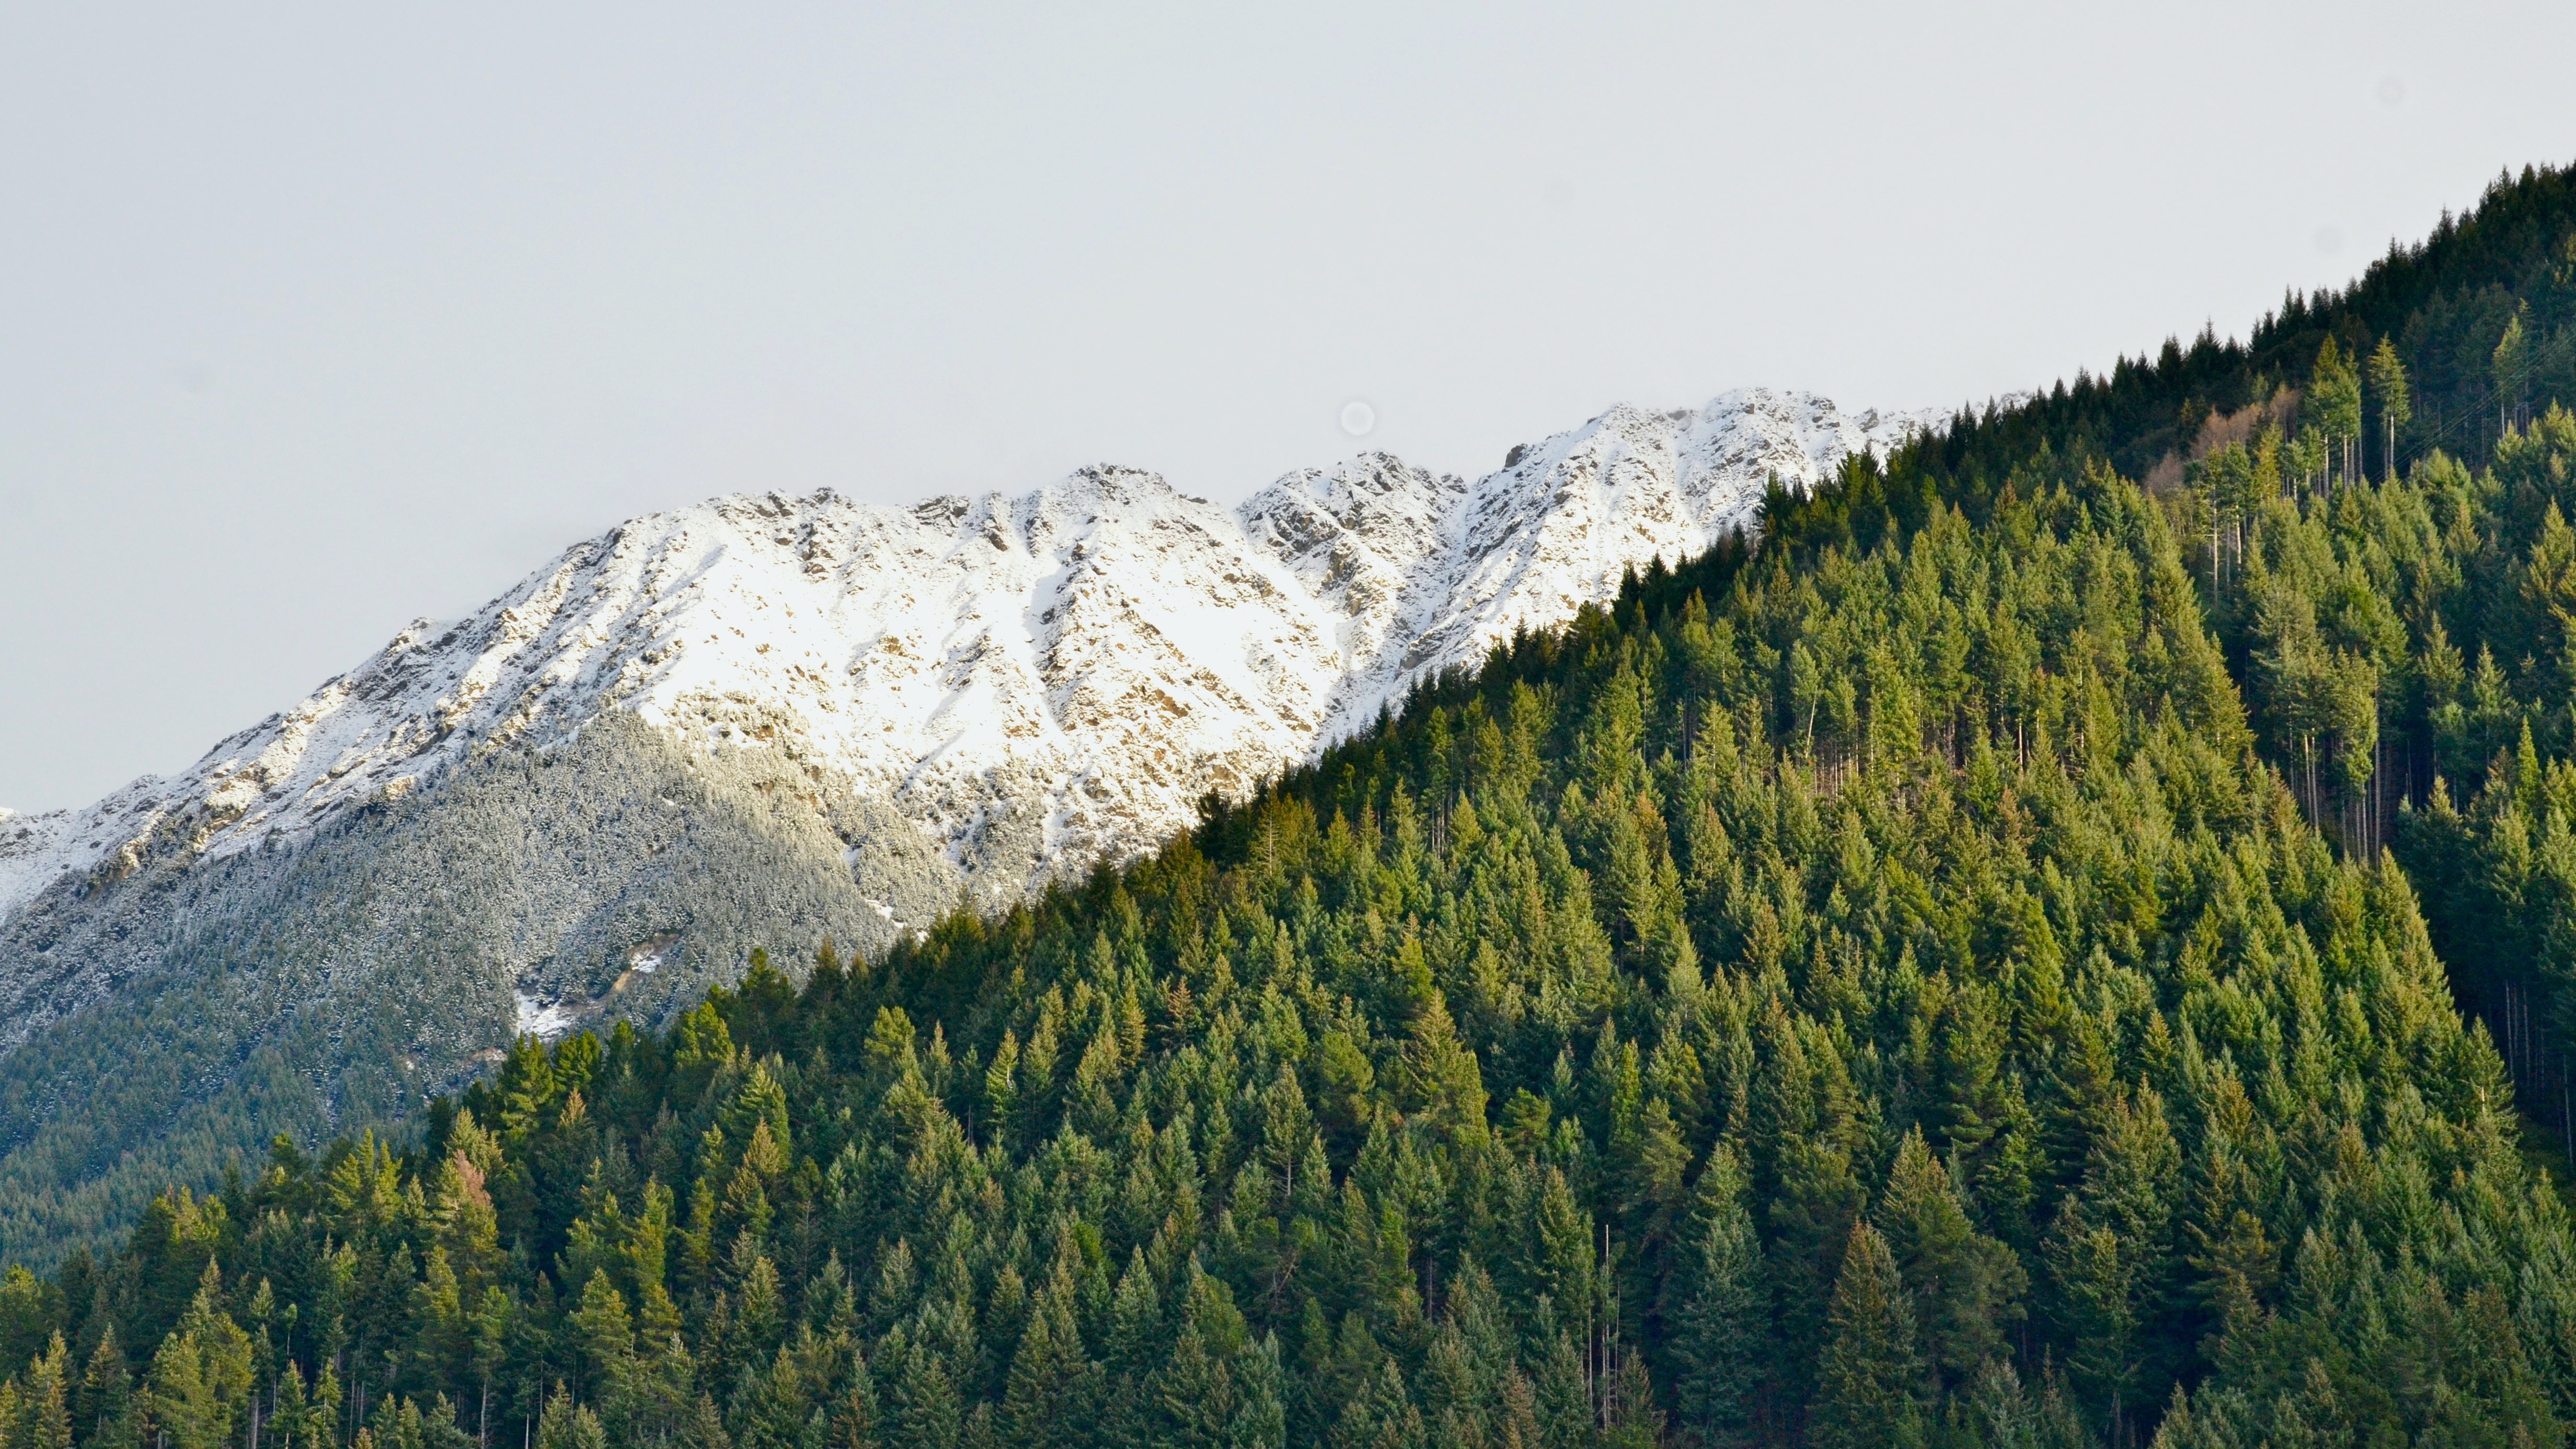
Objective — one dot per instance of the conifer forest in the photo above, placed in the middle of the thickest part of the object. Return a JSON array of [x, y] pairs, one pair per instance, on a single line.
[[2067, 938]]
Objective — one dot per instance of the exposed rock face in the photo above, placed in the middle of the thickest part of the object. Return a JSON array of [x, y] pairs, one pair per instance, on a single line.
[[766, 718], [1036, 682]]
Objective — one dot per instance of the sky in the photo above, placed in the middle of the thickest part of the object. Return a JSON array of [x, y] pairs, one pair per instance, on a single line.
[[317, 319]]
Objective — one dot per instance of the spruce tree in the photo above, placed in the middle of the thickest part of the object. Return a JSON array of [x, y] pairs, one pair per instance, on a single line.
[[1870, 1375], [2332, 408], [1042, 1401], [49, 1422], [2510, 368], [566, 1425], [1722, 1321], [2111, 1254], [105, 1402], [923, 1411], [1380, 1416], [2396, 404], [1965, 1288], [2053, 868], [704, 1428]]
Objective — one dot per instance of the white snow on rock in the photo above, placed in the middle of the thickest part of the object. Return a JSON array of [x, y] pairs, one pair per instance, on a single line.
[[544, 1020], [1037, 681]]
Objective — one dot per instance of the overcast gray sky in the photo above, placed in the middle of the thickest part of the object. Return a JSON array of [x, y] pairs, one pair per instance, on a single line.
[[315, 319]]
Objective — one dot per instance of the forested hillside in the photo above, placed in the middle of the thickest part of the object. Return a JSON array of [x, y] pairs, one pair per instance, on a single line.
[[1932, 979], [2374, 497]]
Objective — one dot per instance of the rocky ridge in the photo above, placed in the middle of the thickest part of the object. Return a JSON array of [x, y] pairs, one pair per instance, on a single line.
[[1036, 681], [759, 721]]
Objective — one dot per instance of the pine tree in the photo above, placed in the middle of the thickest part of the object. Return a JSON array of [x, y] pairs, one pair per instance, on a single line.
[[1441, 1077], [1818, 1198], [2226, 1244], [923, 1412], [200, 1382], [2510, 367], [605, 1333], [1380, 1416], [439, 1429], [2052, 866], [291, 1415], [704, 1429], [29, 1308]]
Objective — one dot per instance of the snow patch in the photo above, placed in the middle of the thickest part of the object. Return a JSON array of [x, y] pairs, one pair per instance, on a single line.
[[1036, 682], [546, 1021]]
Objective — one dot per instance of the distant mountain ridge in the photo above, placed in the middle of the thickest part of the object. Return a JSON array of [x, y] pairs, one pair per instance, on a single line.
[[768, 720]]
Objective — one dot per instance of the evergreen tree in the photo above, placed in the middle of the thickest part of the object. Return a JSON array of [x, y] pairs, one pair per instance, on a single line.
[[1722, 1323], [2111, 1255], [105, 1405], [923, 1411], [1043, 1405], [566, 1425], [2333, 404], [2388, 392], [49, 1422], [1869, 1377], [1964, 1287]]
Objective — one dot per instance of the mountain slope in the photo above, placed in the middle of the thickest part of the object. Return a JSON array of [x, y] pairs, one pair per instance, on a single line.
[[761, 718], [1613, 1052], [1038, 681]]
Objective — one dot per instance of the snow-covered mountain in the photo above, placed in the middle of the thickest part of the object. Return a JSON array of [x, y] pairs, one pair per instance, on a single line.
[[761, 720], [1036, 681]]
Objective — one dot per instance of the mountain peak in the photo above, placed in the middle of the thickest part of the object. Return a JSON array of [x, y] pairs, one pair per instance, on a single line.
[[1035, 681]]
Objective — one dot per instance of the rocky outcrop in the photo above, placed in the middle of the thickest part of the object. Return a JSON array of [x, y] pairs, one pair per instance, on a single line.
[[1034, 682]]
